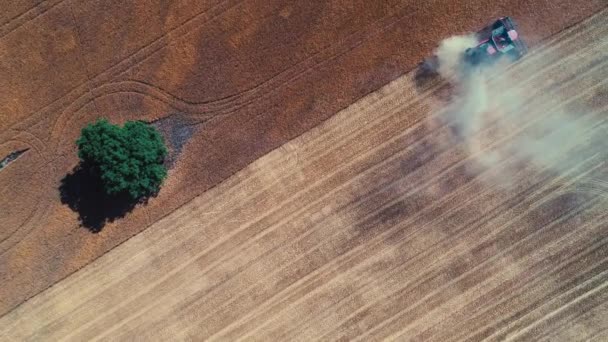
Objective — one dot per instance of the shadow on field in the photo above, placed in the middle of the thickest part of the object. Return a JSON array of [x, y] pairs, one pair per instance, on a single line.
[[397, 194], [426, 74], [83, 192]]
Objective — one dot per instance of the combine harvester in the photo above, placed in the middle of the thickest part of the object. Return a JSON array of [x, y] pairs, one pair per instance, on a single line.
[[495, 41]]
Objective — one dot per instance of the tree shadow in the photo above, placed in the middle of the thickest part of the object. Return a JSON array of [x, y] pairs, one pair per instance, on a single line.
[[82, 190]]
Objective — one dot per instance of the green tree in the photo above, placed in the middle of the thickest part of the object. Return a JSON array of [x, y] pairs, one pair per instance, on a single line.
[[129, 159]]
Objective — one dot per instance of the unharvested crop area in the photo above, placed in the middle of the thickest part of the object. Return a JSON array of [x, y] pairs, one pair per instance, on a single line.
[[386, 221]]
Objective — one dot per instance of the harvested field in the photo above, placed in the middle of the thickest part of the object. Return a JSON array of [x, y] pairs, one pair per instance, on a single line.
[[378, 224], [250, 74]]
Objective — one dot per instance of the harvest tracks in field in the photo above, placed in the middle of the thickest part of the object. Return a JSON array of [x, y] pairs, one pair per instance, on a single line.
[[377, 224]]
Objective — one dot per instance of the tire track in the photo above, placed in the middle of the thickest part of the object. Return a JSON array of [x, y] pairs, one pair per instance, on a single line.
[[27, 16]]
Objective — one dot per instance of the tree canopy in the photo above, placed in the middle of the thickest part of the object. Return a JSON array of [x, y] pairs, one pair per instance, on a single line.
[[129, 159]]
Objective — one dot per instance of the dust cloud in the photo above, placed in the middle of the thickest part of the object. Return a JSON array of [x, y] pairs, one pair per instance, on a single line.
[[505, 122]]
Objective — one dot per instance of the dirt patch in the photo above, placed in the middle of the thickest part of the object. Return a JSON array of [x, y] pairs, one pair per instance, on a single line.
[[11, 157], [176, 131]]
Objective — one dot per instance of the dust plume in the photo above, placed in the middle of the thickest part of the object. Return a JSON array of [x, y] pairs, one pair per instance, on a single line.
[[506, 120], [449, 55]]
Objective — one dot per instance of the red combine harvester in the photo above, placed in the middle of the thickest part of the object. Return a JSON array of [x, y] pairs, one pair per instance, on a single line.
[[495, 41], [500, 39]]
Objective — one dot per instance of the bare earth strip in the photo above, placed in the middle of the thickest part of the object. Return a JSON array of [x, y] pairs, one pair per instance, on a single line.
[[371, 226]]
